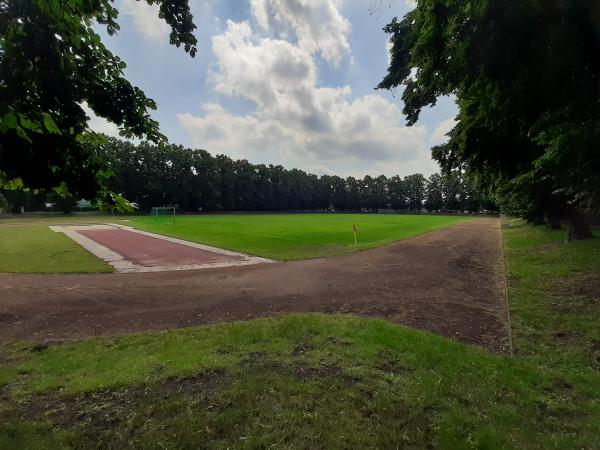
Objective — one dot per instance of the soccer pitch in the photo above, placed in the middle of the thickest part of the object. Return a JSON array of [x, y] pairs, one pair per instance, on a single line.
[[295, 236]]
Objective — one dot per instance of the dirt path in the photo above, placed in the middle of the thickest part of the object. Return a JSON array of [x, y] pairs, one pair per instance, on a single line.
[[449, 282]]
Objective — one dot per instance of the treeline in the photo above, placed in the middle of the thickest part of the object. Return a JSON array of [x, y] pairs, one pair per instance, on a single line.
[[194, 180], [171, 175]]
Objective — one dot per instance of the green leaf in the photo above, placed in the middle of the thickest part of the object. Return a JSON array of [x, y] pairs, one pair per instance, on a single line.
[[29, 124], [10, 120], [50, 124], [12, 185], [23, 135]]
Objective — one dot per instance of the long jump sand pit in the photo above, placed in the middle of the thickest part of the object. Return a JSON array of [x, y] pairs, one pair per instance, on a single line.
[[131, 250]]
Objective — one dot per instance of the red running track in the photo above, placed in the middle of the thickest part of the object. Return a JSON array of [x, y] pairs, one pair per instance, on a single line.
[[149, 251]]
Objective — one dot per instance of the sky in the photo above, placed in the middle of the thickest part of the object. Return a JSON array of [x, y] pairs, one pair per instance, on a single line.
[[288, 82]]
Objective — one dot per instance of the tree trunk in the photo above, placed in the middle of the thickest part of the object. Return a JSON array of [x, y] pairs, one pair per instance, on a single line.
[[578, 226], [554, 223], [553, 220], [536, 218]]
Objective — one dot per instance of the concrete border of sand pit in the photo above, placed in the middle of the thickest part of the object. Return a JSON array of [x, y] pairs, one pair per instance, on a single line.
[[121, 264]]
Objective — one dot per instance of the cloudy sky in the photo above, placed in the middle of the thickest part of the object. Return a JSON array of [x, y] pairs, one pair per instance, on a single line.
[[286, 82]]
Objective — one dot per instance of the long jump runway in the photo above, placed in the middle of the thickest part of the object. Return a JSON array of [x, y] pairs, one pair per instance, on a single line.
[[449, 281], [131, 250]]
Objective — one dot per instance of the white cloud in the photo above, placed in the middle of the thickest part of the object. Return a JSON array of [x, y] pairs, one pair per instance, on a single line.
[[295, 122], [100, 124], [439, 134], [145, 18], [317, 25]]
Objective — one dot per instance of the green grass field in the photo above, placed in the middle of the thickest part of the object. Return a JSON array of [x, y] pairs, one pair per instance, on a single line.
[[307, 381], [28, 245], [295, 236], [35, 248], [329, 381], [555, 305]]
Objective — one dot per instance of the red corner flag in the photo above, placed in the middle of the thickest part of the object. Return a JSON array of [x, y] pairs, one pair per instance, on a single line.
[[354, 230]]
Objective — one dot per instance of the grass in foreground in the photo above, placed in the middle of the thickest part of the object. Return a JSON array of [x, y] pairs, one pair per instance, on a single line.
[[36, 248], [555, 305], [295, 236], [319, 381], [306, 381]]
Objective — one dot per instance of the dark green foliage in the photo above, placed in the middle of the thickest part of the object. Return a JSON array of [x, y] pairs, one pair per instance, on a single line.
[[414, 188], [160, 175], [527, 80], [29, 200], [396, 193], [435, 196], [64, 204], [3, 204], [51, 63]]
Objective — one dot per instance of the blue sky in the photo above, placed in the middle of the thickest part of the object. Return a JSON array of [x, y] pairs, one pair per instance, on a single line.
[[286, 82]]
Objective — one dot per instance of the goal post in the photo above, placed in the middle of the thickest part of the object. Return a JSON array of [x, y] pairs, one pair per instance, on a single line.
[[163, 212]]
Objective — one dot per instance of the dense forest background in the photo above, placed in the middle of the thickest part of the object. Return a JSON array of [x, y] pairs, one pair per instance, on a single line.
[[194, 180]]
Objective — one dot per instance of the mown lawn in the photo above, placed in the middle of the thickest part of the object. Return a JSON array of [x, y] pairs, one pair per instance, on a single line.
[[28, 245], [295, 236], [329, 381], [555, 304], [36, 248], [305, 381]]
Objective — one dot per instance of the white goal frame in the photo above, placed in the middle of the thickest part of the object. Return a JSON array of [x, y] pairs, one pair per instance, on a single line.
[[155, 209]]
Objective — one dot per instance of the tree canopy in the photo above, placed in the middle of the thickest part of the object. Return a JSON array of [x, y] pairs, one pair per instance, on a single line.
[[526, 76], [52, 62], [168, 175], [194, 180]]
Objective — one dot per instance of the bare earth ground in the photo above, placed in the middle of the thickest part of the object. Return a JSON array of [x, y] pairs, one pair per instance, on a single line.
[[450, 282]]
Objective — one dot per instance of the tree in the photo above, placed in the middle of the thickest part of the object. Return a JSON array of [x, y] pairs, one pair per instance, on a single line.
[[374, 192], [51, 63], [167, 175], [64, 203], [452, 191], [414, 187], [397, 193], [474, 200], [526, 76], [354, 193], [434, 198], [3, 204]]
